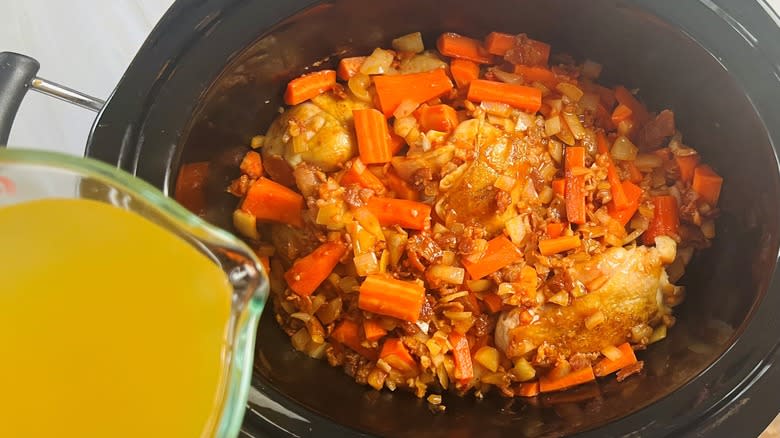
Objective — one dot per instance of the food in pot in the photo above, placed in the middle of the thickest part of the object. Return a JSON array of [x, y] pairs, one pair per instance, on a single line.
[[486, 216]]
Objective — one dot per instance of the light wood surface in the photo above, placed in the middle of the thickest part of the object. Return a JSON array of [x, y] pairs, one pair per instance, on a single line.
[[87, 44]]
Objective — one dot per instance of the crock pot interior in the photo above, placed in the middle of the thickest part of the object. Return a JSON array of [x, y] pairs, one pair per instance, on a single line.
[[636, 49]]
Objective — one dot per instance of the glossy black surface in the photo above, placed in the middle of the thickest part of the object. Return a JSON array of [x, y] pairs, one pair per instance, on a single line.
[[714, 62]]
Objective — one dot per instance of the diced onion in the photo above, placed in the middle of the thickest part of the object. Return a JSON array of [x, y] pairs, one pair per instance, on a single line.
[[479, 285], [667, 248], [403, 125], [556, 150], [447, 274], [405, 108], [623, 149], [658, 334], [645, 162], [517, 228], [257, 141], [300, 339], [409, 43], [457, 315], [552, 126], [358, 85], [570, 90], [574, 125], [487, 357], [496, 108], [524, 121], [509, 78], [246, 224], [612, 353], [594, 319], [523, 370], [590, 102], [505, 183], [366, 264], [561, 298], [378, 62]]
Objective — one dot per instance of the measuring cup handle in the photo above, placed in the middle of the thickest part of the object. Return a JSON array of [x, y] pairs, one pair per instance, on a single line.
[[16, 73]]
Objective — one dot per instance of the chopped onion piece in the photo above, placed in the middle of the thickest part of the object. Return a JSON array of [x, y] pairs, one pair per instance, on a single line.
[[505, 183], [524, 121], [517, 228], [246, 224], [645, 162], [447, 274], [612, 353], [411, 42], [379, 62], [496, 108], [658, 334], [594, 320], [366, 264], [405, 108], [570, 90], [358, 85], [509, 78], [667, 248], [552, 126], [479, 285], [623, 149], [590, 102], [574, 125]]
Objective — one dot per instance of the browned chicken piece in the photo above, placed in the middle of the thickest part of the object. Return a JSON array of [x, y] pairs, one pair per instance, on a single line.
[[631, 295]]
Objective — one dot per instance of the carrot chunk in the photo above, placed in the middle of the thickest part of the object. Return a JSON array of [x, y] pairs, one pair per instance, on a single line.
[[373, 137], [575, 185], [310, 85], [497, 43], [387, 296], [707, 184], [519, 96], [687, 166], [665, 219], [616, 188], [606, 366], [633, 194], [416, 87], [407, 214], [464, 71], [500, 252], [268, 200], [349, 67], [437, 117], [559, 244], [373, 330], [457, 46], [357, 173], [307, 273], [348, 333], [574, 378], [461, 355], [395, 353]]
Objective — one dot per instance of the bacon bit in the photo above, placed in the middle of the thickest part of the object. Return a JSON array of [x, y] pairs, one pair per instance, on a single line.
[[632, 369]]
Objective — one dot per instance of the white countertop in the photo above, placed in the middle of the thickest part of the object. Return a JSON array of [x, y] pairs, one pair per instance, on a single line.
[[86, 45]]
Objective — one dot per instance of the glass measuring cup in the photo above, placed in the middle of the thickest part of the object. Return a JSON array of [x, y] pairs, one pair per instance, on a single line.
[[32, 175]]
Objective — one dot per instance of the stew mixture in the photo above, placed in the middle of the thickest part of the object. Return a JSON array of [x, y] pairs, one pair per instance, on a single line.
[[481, 216]]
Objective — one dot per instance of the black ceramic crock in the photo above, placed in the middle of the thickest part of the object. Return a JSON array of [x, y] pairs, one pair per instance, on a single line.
[[211, 74]]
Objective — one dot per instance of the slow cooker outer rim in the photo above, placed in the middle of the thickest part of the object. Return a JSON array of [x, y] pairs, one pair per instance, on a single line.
[[124, 118]]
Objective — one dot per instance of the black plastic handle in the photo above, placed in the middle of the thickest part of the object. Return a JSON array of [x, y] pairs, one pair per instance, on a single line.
[[16, 72]]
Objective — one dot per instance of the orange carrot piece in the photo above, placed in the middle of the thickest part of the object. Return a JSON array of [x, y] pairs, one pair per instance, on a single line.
[[407, 214], [639, 112], [621, 113], [190, 186], [529, 389], [349, 67], [464, 71], [307, 273], [357, 173], [665, 219], [575, 185], [497, 43], [457, 46], [461, 355], [500, 252], [574, 378], [493, 302], [396, 143], [310, 85], [687, 165], [555, 229], [559, 186], [391, 90], [634, 174], [616, 188], [268, 200], [372, 136], [395, 353], [633, 193], [606, 366], [372, 330], [542, 75], [387, 296], [348, 333], [519, 96], [437, 117], [252, 165], [559, 244], [402, 189], [707, 184]]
